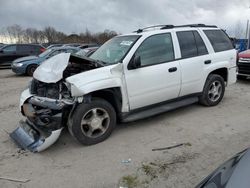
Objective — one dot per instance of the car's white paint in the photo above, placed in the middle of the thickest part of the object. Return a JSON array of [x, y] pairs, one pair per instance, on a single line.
[[152, 84], [48, 141], [98, 79], [24, 96]]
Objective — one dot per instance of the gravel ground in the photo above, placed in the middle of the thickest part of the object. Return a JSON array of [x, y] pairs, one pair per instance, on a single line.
[[212, 135]]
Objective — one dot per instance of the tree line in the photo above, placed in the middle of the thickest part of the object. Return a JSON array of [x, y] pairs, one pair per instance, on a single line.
[[17, 34]]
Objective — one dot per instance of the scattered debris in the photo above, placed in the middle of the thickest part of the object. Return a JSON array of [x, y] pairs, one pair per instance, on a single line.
[[149, 172], [14, 179], [171, 147], [129, 181], [127, 161]]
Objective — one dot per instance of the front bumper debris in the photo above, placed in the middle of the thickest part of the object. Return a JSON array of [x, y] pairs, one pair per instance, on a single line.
[[27, 137]]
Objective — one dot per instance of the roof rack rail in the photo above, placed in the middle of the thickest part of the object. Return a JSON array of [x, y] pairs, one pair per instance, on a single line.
[[173, 26], [154, 26], [197, 25]]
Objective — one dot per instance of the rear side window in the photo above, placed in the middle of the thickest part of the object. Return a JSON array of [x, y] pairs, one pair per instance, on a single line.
[[187, 44], [156, 49], [219, 40], [191, 44], [201, 47], [24, 48]]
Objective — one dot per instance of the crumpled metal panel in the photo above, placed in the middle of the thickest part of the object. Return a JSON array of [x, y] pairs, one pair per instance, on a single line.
[[27, 137]]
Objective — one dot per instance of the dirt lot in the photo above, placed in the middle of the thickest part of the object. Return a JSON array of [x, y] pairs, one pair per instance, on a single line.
[[212, 135]]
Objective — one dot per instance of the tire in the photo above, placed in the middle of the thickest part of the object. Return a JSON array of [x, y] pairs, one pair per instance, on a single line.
[[241, 77], [213, 91], [93, 122], [31, 69]]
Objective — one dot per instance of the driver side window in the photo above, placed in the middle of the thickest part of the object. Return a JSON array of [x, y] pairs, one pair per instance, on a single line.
[[156, 49], [10, 48]]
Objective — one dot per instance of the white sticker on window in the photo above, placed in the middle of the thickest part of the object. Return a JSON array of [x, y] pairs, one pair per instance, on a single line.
[[126, 43]]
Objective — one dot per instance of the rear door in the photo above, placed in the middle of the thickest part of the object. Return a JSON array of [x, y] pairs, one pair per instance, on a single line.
[[158, 77], [224, 53], [194, 56]]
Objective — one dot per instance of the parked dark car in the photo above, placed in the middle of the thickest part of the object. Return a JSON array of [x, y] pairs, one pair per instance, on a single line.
[[234, 173], [87, 51], [9, 53], [244, 64], [27, 65]]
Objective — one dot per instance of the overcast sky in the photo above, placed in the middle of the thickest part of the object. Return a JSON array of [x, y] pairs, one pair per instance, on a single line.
[[121, 15]]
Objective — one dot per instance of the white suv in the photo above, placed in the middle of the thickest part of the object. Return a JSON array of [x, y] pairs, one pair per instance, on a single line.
[[130, 77]]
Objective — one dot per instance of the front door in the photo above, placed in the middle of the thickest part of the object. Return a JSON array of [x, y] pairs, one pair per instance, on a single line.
[[158, 78]]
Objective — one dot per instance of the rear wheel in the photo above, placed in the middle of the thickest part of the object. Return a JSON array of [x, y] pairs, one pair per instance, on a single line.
[[93, 122], [213, 91], [31, 69]]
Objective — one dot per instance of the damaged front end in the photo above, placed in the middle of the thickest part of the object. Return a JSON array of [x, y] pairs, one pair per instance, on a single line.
[[47, 102], [44, 121]]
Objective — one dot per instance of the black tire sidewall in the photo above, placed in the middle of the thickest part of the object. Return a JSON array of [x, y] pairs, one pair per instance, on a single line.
[[80, 111], [204, 98], [29, 68]]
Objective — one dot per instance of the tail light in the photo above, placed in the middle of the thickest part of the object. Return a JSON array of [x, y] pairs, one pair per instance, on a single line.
[[42, 49]]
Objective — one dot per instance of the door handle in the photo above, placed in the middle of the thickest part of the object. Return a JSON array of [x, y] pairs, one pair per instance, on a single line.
[[172, 69], [207, 62]]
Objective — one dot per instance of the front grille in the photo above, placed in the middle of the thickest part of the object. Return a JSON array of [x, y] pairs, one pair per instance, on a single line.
[[243, 68], [42, 89]]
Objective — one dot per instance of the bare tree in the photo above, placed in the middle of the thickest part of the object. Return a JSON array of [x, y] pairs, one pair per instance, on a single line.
[[52, 35], [15, 33]]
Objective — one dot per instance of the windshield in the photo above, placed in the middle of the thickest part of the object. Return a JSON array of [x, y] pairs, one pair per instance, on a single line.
[[45, 53], [114, 50], [82, 52]]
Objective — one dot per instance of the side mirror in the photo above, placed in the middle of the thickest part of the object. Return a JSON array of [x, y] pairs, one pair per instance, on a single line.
[[136, 62]]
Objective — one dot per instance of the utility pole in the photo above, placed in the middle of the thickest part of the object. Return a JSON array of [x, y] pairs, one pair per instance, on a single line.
[[247, 34]]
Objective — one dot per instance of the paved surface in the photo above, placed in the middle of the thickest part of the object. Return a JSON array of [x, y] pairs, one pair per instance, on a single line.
[[213, 135]]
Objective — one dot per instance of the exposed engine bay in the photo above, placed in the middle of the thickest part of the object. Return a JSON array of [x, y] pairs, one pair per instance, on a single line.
[[48, 105]]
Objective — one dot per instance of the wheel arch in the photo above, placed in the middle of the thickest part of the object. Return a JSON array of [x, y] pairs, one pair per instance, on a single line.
[[223, 72], [112, 95]]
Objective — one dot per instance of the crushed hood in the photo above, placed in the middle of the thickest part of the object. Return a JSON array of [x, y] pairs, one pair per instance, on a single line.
[[51, 70]]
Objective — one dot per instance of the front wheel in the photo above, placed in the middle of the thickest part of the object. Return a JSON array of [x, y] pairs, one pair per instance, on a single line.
[[31, 69], [93, 122], [213, 91]]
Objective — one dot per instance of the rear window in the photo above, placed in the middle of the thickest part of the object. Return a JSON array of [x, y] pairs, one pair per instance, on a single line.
[[24, 48], [219, 40]]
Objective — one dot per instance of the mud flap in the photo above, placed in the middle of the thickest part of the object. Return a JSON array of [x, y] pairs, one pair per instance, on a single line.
[[26, 137]]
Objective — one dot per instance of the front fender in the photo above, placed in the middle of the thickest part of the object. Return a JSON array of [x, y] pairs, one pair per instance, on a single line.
[[99, 79], [95, 86]]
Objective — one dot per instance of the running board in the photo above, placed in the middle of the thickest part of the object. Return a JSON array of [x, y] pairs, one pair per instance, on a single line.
[[159, 109]]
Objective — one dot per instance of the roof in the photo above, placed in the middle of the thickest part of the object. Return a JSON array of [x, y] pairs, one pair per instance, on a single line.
[[161, 28]]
